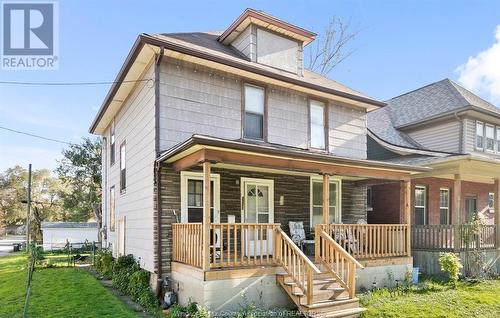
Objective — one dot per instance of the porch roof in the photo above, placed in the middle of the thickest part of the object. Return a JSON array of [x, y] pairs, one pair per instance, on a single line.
[[199, 148]]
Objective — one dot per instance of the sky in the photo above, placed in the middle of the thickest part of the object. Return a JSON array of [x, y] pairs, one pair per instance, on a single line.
[[402, 45]]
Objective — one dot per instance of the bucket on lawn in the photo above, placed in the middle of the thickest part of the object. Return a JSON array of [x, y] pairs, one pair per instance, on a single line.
[[414, 276]]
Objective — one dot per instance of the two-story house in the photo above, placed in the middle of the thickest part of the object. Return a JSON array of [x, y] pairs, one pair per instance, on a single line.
[[448, 128], [213, 143]]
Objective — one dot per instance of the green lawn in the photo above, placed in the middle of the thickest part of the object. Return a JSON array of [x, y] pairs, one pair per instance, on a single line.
[[436, 300], [56, 292]]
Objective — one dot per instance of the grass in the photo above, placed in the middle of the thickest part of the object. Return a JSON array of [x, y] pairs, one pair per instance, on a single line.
[[56, 292], [435, 299]]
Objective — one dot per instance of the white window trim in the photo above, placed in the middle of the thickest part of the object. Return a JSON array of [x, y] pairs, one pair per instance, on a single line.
[[264, 119], [323, 106], [421, 187], [492, 209], [476, 135], [448, 207], [497, 139], [486, 138], [257, 181], [190, 175], [336, 180]]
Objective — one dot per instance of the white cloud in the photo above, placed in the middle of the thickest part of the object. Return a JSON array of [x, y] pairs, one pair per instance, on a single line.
[[481, 73]]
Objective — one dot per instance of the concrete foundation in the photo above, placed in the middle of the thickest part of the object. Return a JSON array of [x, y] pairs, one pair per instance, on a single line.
[[428, 261], [382, 276]]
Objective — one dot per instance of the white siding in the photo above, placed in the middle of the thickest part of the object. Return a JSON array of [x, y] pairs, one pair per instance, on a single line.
[[208, 102], [245, 43], [440, 136], [197, 101], [347, 131], [135, 124], [277, 51]]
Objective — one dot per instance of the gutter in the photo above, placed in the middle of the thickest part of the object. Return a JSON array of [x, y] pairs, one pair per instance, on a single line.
[[461, 132]]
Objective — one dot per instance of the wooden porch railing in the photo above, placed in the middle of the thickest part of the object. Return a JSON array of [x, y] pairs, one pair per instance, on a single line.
[[337, 260], [300, 268], [187, 243], [365, 241], [241, 244], [453, 237]]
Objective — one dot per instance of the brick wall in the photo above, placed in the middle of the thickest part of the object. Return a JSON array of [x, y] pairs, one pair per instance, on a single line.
[[386, 199], [295, 190]]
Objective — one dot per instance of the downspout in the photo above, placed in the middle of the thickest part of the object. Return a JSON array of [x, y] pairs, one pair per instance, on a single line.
[[461, 135], [158, 173]]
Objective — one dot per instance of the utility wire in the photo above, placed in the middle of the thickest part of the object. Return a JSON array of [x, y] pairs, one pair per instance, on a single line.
[[71, 83], [35, 136]]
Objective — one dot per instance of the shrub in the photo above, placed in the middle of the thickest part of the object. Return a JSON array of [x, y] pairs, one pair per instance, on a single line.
[[451, 265], [192, 310], [138, 289], [104, 263], [122, 269]]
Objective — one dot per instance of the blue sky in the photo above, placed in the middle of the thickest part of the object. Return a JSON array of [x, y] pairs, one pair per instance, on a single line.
[[402, 46]]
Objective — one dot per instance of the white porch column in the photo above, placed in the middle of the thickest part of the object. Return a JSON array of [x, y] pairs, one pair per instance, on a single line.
[[206, 216], [326, 199]]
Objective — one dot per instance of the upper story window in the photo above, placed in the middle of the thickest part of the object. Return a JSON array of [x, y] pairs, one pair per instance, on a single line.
[[498, 139], [112, 144], [254, 104], [490, 138], [317, 124], [112, 209], [444, 206], [123, 169], [420, 205], [479, 135]]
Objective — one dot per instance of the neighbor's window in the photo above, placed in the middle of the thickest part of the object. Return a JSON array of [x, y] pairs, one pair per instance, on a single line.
[[317, 201], [491, 201], [369, 198], [498, 139], [444, 206], [479, 135], [420, 205], [490, 138], [112, 144], [317, 124], [112, 209], [123, 169], [254, 112]]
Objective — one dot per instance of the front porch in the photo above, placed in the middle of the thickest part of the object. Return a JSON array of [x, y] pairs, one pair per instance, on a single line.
[[233, 224]]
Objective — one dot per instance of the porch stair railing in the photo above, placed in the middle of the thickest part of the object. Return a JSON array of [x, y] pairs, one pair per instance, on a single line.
[[336, 260]]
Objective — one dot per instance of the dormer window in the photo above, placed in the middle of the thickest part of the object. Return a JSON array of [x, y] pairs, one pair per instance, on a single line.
[[253, 126]]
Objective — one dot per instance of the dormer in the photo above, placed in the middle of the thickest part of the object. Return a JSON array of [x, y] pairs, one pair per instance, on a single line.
[[267, 40]]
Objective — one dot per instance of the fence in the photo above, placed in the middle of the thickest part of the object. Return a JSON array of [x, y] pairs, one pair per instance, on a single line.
[[68, 254], [453, 237]]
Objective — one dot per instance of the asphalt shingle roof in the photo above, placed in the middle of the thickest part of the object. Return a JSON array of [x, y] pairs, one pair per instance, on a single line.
[[433, 100]]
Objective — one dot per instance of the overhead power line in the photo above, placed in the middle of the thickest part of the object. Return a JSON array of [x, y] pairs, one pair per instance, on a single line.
[[35, 136], [71, 83]]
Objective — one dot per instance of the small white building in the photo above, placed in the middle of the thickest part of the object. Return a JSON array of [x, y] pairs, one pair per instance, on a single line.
[[57, 234]]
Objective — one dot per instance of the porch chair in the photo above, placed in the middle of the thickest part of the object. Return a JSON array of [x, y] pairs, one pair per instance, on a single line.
[[298, 234]]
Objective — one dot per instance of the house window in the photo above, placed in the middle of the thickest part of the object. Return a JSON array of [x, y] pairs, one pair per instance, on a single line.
[[479, 135], [498, 139], [491, 201], [254, 112], [192, 197], [112, 144], [317, 124], [369, 199], [420, 205], [123, 168], [490, 138], [444, 206], [317, 201], [112, 209]]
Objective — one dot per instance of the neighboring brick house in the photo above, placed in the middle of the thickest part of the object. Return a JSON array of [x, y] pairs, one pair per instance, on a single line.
[[448, 128], [214, 142]]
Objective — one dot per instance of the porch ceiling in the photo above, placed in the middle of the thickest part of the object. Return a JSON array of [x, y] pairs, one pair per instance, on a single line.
[[199, 149], [470, 168]]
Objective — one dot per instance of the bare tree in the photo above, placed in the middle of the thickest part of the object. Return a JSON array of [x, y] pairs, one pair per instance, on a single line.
[[331, 47]]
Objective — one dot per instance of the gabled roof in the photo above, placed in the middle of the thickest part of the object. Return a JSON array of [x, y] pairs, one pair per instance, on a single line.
[[434, 100]]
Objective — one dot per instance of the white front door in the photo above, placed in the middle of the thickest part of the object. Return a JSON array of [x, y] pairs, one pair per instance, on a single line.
[[257, 207]]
